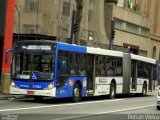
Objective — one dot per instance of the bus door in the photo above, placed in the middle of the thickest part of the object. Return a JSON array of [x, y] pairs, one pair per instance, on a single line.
[[90, 71], [152, 77], [150, 74], [134, 75]]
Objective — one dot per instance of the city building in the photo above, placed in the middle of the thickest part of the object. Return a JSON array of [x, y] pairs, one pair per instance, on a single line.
[[51, 17], [54, 18], [151, 9], [137, 26], [132, 31], [136, 23]]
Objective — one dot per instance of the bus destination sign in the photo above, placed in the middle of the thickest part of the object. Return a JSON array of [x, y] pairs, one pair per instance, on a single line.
[[36, 47]]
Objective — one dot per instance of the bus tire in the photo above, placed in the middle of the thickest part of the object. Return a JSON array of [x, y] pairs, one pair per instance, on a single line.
[[38, 98], [158, 107], [112, 92], [77, 93], [144, 90]]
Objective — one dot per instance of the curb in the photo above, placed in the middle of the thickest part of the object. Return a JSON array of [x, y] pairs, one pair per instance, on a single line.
[[152, 93], [11, 97], [6, 97]]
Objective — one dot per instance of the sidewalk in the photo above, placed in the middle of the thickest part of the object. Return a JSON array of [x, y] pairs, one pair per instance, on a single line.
[[7, 96]]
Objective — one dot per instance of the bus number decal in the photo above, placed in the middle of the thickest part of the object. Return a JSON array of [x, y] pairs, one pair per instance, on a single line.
[[71, 82]]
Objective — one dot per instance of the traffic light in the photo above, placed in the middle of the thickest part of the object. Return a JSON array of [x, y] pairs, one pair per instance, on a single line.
[[113, 34], [75, 27]]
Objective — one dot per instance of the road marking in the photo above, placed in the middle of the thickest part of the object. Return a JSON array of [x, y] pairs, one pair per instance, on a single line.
[[125, 109], [49, 106], [122, 110]]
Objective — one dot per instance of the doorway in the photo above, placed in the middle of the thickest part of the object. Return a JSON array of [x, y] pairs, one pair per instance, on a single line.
[[90, 71]]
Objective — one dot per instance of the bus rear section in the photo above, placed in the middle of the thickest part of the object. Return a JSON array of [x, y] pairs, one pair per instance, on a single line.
[[139, 74]]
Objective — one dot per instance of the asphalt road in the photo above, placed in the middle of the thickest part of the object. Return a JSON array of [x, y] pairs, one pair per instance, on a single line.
[[99, 108]]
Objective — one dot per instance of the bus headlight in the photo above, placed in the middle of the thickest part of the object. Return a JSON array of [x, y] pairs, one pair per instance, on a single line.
[[50, 86], [13, 84]]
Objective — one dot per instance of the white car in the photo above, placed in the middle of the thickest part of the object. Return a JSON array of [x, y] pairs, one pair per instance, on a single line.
[[158, 100]]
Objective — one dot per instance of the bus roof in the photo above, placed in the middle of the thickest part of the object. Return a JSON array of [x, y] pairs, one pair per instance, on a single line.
[[100, 51], [71, 47], [144, 59], [90, 50]]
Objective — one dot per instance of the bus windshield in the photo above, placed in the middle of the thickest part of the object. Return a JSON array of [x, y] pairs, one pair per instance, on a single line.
[[33, 66]]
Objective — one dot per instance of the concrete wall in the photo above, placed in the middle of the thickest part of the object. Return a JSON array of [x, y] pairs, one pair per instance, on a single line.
[[151, 9], [5, 83]]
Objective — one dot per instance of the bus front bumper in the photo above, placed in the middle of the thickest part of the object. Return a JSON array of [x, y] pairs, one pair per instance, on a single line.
[[17, 91]]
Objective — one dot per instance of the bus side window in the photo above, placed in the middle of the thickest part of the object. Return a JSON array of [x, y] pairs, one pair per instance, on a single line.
[[109, 67], [100, 68], [62, 63], [82, 64]]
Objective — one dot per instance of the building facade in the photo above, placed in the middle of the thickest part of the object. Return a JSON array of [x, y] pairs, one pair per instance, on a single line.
[[136, 23], [144, 14], [54, 18], [40, 17], [132, 31], [151, 9]]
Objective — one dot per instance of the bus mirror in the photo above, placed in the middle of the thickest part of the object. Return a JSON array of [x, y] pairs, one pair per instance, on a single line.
[[7, 55]]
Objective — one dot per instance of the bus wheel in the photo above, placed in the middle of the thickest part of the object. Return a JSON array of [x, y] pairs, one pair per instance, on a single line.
[[144, 90], [76, 93], [112, 91], [158, 107], [38, 98]]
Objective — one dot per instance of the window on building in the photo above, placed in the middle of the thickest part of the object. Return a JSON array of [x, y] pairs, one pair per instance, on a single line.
[[119, 25], [31, 5], [29, 29], [66, 8], [111, 1], [145, 32], [154, 52], [64, 32], [90, 16], [132, 28]]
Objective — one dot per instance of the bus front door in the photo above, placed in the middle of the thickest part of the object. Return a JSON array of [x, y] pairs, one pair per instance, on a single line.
[[90, 71]]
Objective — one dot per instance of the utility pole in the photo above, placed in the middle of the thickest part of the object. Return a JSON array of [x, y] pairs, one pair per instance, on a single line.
[[112, 35], [74, 27], [79, 18]]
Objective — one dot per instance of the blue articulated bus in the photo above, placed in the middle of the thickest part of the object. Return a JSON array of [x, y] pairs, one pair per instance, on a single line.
[[44, 68]]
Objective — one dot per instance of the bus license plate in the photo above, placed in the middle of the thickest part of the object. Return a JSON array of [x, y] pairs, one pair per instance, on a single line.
[[30, 92]]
